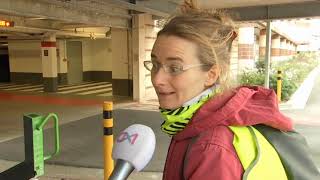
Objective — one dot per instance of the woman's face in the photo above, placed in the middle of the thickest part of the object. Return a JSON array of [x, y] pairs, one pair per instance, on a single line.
[[174, 90]]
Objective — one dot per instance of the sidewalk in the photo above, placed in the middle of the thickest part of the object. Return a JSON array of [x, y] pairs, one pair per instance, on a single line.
[[54, 172], [307, 113], [299, 99]]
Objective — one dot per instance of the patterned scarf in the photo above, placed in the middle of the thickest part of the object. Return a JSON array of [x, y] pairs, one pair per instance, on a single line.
[[177, 119]]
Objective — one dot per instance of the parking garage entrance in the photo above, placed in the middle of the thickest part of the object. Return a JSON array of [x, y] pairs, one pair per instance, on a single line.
[[4, 64]]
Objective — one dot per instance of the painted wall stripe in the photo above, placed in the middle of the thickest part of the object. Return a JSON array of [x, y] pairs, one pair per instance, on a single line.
[[48, 44]]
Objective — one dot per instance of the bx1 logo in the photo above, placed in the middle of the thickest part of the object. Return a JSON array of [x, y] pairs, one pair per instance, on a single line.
[[126, 136]]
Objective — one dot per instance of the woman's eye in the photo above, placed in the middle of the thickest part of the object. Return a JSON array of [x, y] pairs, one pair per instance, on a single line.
[[155, 65], [174, 68]]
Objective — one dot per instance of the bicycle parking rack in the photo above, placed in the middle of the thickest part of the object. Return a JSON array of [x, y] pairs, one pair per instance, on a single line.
[[33, 165]]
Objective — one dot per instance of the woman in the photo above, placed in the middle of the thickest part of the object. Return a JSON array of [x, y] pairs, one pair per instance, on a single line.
[[189, 71]]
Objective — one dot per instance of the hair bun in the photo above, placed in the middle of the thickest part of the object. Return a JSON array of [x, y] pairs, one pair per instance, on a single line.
[[188, 6]]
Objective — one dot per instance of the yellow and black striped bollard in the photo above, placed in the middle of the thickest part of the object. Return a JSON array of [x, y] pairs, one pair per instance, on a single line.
[[108, 139], [279, 84]]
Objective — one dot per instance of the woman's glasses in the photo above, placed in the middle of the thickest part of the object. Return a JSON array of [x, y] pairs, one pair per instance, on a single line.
[[171, 68]]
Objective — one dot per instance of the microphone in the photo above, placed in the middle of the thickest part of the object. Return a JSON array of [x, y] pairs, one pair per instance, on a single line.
[[133, 149]]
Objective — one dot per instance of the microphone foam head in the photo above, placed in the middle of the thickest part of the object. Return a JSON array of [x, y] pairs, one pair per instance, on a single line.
[[136, 145]]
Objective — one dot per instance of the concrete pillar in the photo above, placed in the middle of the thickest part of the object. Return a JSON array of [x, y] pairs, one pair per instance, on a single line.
[[139, 54], [121, 82], [287, 49], [246, 48], [283, 47], [291, 49], [275, 47], [49, 63], [151, 31], [262, 44], [295, 49], [62, 62], [144, 33]]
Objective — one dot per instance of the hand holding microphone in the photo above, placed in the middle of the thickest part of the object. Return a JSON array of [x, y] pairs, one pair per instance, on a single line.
[[133, 149]]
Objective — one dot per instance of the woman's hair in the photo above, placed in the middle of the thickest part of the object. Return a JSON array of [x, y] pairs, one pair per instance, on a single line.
[[211, 30]]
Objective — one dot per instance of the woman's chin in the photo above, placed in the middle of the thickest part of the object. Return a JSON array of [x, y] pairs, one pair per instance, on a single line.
[[168, 106]]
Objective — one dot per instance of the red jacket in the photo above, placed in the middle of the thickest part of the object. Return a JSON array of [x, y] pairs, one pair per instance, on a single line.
[[213, 156]]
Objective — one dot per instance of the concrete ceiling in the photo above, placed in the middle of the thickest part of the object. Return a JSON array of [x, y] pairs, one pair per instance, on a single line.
[[244, 3], [35, 18], [236, 3]]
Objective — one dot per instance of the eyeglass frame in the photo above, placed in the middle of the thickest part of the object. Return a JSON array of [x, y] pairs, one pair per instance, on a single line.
[[166, 68]]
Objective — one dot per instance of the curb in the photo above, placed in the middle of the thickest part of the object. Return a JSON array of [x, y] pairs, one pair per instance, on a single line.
[[300, 97]]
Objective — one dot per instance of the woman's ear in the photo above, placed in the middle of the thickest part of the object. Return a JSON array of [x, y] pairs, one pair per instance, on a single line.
[[212, 75]]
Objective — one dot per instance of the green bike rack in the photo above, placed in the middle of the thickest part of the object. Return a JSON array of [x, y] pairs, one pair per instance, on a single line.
[[33, 165]]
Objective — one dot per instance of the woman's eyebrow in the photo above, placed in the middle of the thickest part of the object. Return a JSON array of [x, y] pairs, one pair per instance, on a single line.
[[174, 59], [153, 56]]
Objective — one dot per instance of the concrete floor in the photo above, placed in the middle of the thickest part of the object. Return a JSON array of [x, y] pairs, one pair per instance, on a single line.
[[13, 108]]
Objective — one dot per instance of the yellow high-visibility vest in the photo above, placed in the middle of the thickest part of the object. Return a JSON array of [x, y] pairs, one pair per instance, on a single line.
[[259, 159]]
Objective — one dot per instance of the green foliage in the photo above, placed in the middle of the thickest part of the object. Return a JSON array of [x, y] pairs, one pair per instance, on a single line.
[[260, 65], [252, 78], [288, 87], [257, 78], [294, 71]]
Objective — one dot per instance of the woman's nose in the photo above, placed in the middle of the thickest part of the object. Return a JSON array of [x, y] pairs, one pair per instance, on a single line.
[[159, 77]]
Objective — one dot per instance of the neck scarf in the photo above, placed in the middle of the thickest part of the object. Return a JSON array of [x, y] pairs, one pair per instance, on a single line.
[[177, 119]]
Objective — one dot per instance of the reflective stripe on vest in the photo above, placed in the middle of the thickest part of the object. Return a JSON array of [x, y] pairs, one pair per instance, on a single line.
[[257, 156]]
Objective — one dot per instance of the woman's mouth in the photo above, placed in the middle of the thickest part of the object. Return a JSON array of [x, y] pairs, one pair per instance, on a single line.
[[166, 99], [165, 94]]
